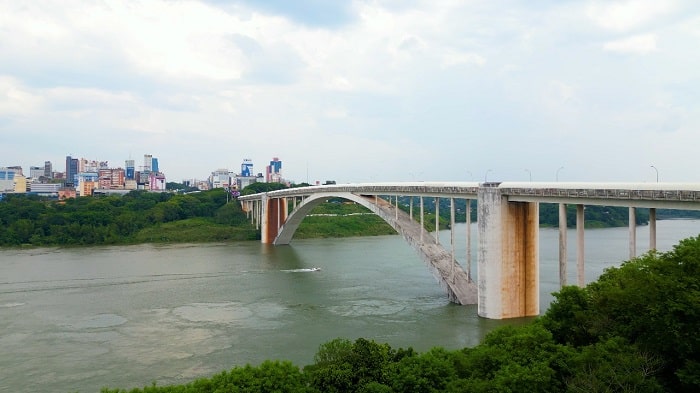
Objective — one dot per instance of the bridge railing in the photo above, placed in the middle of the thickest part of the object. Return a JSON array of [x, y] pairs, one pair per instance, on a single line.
[[655, 195]]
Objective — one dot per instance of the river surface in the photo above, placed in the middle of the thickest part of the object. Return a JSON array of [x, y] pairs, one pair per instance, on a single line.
[[81, 319]]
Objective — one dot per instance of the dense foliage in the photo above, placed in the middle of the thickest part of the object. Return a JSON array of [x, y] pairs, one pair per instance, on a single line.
[[634, 330], [136, 217]]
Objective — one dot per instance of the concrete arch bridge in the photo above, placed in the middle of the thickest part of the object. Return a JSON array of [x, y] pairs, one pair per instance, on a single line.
[[507, 285]]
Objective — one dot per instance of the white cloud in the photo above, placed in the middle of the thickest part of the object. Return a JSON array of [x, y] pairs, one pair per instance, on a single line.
[[628, 14], [452, 59], [448, 85], [639, 44], [17, 100]]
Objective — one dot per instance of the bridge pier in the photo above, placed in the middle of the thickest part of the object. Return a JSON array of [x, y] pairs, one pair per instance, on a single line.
[[633, 232], [580, 225], [562, 245], [274, 213], [508, 256]]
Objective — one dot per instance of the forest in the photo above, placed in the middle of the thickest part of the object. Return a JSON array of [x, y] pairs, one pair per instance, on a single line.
[[137, 217], [633, 330]]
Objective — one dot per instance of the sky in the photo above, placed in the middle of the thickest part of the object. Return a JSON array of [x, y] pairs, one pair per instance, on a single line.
[[357, 91]]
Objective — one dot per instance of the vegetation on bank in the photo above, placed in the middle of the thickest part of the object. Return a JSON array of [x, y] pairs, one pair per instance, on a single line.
[[137, 217], [145, 217], [633, 330]]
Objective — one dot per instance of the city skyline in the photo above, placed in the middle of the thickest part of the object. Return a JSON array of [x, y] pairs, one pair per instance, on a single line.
[[359, 91]]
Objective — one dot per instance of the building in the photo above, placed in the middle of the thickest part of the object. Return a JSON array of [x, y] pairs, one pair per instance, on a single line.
[[36, 173], [48, 170], [72, 166], [247, 168], [66, 192], [156, 181], [86, 188], [12, 180], [130, 170], [273, 173], [87, 182], [221, 178], [45, 189], [147, 163], [111, 178]]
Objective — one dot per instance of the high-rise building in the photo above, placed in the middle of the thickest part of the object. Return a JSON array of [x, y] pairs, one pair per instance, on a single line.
[[221, 178], [147, 162], [48, 170], [274, 171], [71, 171], [247, 168], [35, 172], [130, 170], [154, 165]]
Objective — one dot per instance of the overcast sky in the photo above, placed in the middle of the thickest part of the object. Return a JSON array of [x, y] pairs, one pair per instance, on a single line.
[[357, 91]]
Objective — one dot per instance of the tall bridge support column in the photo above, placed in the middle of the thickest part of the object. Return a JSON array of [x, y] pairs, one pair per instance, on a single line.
[[274, 214], [563, 251], [633, 232], [508, 257], [580, 246], [652, 229]]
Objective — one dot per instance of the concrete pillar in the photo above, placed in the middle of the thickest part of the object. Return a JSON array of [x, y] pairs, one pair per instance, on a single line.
[[580, 225], [652, 229], [256, 213], [437, 220], [508, 256], [469, 239], [633, 232], [452, 237], [279, 214], [396, 208], [562, 245], [274, 214], [422, 225], [410, 209]]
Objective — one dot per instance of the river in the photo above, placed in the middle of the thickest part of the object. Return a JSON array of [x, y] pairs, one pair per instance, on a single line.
[[80, 319]]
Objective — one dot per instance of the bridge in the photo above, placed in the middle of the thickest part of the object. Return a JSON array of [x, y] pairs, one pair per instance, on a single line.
[[507, 285]]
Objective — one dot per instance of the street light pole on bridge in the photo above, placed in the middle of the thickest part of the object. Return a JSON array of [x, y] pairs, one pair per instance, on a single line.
[[657, 173]]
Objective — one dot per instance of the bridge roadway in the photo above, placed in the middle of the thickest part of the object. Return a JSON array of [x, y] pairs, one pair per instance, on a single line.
[[507, 285]]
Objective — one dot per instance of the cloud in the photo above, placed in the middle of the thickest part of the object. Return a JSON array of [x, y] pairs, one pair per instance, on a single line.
[[449, 85], [638, 44], [17, 100], [629, 14], [312, 13]]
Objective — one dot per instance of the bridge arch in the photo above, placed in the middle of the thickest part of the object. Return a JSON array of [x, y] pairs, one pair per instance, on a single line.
[[448, 273], [295, 218]]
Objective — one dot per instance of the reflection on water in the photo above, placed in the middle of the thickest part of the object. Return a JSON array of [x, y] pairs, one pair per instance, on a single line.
[[81, 319]]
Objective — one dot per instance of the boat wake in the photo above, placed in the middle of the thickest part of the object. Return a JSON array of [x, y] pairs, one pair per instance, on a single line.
[[313, 269]]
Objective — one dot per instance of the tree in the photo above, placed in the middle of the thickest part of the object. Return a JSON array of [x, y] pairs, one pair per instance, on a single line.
[[262, 187], [652, 302]]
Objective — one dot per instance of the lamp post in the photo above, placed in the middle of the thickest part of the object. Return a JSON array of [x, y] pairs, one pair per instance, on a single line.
[[557, 175], [486, 175], [657, 173], [529, 172]]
